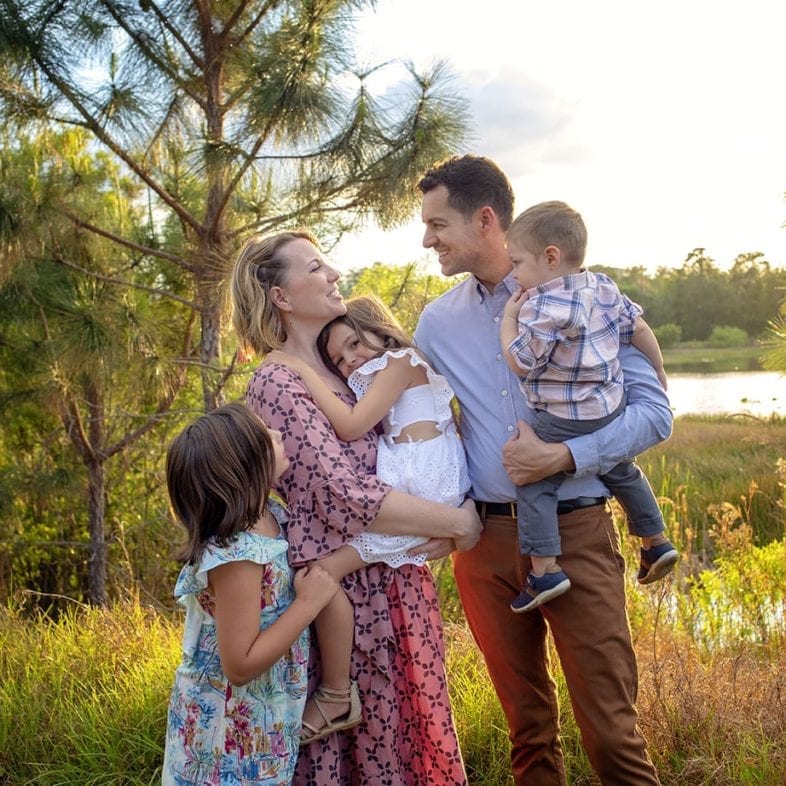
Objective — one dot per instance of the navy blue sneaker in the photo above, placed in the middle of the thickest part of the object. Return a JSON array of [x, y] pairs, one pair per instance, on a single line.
[[656, 562], [539, 589]]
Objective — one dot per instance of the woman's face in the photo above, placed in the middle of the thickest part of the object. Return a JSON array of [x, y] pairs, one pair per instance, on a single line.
[[310, 290], [347, 352]]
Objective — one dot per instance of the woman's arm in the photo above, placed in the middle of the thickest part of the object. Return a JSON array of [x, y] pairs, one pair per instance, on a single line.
[[244, 649], [349, 422], [330, 487], [403, 514]]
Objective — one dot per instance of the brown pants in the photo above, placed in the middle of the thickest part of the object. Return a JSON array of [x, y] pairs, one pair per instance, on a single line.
[[590, 628]]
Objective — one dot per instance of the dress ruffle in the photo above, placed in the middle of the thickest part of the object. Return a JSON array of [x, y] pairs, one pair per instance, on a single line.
[[360, 381]]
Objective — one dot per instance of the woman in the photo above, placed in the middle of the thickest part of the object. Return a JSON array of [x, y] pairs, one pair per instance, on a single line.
[[283, 295]]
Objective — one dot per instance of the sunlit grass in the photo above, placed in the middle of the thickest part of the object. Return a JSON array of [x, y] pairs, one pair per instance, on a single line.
[[83, 699]]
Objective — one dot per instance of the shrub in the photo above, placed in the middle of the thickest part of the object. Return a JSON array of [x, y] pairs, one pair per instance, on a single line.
[[728, 336], [668, 335]]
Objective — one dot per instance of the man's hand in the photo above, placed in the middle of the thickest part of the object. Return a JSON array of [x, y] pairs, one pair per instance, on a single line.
[[527, 458]]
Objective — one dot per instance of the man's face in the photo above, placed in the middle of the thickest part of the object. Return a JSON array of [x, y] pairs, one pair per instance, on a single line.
[[456, 239]]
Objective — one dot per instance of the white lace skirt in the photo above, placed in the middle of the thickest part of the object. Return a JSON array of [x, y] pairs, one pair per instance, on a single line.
[[434, 469]]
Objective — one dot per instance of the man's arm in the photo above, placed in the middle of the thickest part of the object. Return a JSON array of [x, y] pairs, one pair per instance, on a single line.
[[645, 421]]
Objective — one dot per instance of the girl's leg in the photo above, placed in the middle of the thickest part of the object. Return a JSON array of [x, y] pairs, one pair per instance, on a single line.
[[335, 632]]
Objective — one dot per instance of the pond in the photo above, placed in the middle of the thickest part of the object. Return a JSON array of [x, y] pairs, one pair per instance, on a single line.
[[759, 393]]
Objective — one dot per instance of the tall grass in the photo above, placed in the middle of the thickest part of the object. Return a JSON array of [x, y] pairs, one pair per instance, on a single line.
[[83, 698]]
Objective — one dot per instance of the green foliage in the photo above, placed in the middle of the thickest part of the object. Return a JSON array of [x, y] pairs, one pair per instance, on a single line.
[[698, 296], [728, 336], [775, 343], [405, 289], [228, 118], [668, 335]]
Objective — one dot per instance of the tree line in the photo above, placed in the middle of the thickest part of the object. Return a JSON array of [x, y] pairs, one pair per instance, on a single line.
[[140, 144]]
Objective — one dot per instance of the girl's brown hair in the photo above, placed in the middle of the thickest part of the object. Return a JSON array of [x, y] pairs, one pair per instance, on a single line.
[[219, 473], [366, 314]]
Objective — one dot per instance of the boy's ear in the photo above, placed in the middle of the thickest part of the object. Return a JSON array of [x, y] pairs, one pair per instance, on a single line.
[[552, 256]]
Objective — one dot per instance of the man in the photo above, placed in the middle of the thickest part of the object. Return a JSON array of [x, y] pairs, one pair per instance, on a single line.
[[467, 207]]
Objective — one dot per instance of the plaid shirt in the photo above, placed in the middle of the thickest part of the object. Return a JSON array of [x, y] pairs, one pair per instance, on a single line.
[[570, 330]]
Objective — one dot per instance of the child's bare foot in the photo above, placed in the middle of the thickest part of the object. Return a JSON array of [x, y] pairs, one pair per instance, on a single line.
[[330, 710]]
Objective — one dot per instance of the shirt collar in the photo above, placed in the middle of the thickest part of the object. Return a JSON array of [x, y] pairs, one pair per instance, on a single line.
[[509, 282]]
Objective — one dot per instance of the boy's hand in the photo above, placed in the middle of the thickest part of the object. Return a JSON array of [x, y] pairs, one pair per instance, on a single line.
[[513, 305], [315, 586]]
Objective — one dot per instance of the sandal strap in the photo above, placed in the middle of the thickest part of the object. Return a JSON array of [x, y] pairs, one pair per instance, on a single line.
[[333, 696]]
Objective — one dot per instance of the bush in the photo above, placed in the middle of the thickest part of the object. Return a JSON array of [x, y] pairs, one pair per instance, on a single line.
[[728, 336], [668, 335]]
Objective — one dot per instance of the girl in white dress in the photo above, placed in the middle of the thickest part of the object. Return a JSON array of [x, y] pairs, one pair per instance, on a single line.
[[419, 451]]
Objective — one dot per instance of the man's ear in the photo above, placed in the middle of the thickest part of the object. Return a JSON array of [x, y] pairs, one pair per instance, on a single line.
[[487, 218], [553, 256], [279, 299]]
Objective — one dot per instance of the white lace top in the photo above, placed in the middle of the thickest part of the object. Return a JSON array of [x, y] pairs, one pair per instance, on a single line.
[[425, 402]]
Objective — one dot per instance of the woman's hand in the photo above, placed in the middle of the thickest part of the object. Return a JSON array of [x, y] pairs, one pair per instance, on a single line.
[[435, 548], [474, 527]]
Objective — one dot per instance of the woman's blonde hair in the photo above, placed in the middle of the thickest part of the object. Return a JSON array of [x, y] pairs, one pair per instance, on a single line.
[[366, 314], [260, 266]]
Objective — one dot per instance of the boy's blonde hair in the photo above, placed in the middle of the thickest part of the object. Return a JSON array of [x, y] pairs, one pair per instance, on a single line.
[[551, 224]]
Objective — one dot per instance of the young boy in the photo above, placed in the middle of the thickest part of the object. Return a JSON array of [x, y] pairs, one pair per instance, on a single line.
[[561, 334]]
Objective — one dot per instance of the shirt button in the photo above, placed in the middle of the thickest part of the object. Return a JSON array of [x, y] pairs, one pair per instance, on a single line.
[[496, 319], [499, 356], [510, 428], [504, 392]]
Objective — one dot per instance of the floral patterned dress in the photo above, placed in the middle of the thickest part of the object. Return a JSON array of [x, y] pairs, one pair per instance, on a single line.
[[407, 737], [220, 734]]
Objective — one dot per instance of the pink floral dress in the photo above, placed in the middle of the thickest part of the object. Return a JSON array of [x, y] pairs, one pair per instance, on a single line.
[[407, 737]]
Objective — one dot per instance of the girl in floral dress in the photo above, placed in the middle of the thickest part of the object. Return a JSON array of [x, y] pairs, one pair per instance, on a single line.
[[283, 295], [236, 705]]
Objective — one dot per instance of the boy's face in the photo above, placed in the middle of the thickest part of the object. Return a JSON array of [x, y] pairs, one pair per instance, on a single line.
[[529, 269]]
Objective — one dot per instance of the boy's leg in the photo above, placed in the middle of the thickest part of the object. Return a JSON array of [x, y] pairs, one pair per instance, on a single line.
[[632, 490], [592, 636]]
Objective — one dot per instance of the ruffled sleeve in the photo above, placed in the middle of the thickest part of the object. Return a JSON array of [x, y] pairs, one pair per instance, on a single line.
[[361, 379], [193, 579], [330, 488]]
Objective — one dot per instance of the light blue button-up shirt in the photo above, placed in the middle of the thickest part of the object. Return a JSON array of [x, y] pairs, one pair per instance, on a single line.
[[459, 333]]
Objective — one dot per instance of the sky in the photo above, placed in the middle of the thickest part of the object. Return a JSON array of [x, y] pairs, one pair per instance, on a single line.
[[663, 124]]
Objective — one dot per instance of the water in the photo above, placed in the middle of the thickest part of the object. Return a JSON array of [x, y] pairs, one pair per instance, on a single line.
[[758, 393]]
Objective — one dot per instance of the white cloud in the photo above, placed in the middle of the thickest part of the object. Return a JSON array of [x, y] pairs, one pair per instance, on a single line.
[[663, 124]]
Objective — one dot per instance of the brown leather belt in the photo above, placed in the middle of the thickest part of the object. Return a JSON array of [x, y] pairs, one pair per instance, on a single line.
[[508, 509]]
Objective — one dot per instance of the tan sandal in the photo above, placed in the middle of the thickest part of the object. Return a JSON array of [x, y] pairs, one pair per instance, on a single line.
[[351, 718]]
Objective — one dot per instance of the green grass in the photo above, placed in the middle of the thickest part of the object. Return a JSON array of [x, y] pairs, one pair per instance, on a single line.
[[698, 358], [713, 460], [83, 699]]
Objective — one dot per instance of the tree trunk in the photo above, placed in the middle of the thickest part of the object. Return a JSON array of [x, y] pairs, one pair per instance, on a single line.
[[96, 513], [96, 493]]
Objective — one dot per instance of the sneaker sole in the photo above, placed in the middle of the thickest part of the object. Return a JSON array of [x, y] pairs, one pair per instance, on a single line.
[[544, 596], [660, 567]]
